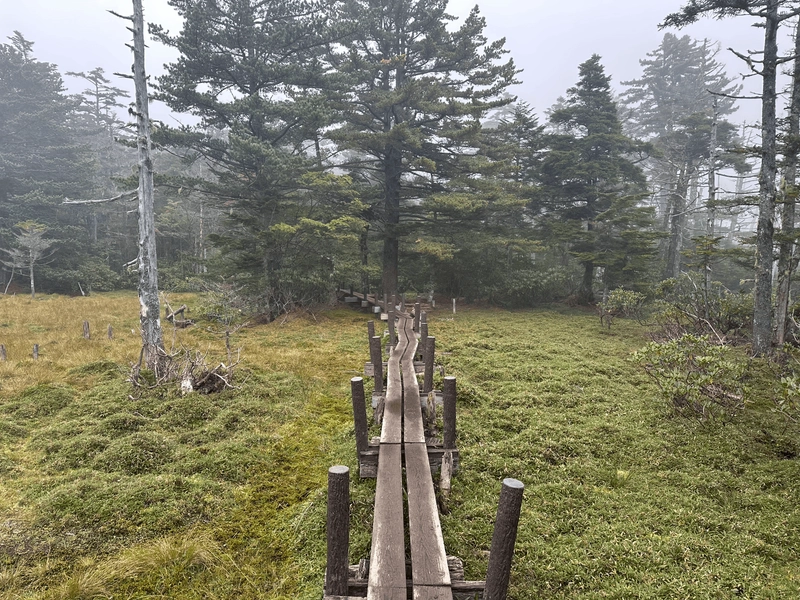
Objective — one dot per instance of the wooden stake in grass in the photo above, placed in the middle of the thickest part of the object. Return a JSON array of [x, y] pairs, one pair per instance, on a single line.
[[338, 530], [449, 412], [359, 414], [110, 332], [86, 334], [36, 352], [3, 356], [430, 348], [376, 357], [503, 540]]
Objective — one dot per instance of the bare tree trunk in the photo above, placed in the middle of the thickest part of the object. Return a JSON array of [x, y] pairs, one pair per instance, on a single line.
[[677, 223], [152, 340], [786, 262], [762, 310]]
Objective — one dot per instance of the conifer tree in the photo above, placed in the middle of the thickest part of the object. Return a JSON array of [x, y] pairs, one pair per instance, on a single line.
[[591, 184], [412, 90]]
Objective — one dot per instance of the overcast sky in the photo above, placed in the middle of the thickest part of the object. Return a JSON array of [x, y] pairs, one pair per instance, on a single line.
[[546, 38]]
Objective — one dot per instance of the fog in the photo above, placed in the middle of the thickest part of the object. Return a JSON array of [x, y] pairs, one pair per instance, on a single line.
[[547, 39]]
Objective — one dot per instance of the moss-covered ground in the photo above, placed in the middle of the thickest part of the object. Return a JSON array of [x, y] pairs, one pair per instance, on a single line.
[[109, 491]]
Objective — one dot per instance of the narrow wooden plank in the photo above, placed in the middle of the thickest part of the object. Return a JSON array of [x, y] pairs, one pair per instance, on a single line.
[[386, 593], [427, 592], [392, 428], [387, 557], [428, 558]]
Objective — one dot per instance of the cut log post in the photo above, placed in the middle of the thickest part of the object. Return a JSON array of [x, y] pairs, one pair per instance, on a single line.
[[371, 329], [110, 332], [423, 338], [338, 530], [430, 348], [403, 302], [454, 306], [503, 540], [3, 355], [376, 357], [446, 473], [423, 317], [86, 334], [36, 352], [392, 332], [417, 309], [449, 413], [359, 414]]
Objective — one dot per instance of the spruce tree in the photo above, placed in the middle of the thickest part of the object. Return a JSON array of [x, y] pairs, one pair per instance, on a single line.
[[590, 182], [412, 90]]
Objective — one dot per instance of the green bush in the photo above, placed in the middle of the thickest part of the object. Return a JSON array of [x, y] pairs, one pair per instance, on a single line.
[[698, 378]]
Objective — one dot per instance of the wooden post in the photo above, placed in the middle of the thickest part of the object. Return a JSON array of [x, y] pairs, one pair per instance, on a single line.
[[454, 306], [392, 333], [423, 338], [36, 352], [403, 302], [449, 413], [503, 540], [338, 530], [430, 349], [3, 356], [86, 334], [423, 318], [370, 329], [417, 308], [359, 414], [376, 356], [110, 332]]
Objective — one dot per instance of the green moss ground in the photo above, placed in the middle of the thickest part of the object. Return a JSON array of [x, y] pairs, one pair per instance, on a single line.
[[110, 493]]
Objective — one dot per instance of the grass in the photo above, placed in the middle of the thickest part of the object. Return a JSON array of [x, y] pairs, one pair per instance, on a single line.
[[111, 492]]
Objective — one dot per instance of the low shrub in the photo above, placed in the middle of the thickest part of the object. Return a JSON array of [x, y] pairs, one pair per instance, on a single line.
[[700, 379]]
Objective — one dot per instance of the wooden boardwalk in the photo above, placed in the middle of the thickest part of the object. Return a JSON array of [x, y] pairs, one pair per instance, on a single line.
[[405, 458]]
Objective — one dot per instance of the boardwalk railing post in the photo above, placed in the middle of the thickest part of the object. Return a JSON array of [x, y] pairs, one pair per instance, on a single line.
[[449, 412], [376, 357], [423, 338], [503, 540], [392, 332], [417, 309], [430, 348], [370, 329], [359, 414], [338, 530]]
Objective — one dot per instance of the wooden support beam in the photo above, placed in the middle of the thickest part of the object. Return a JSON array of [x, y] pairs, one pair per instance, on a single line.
[[430, 351], [449, 412], [359, 414], [503, 540], [338, 531]]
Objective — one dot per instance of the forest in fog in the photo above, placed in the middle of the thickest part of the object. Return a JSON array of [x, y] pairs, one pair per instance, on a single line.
[[377, 145]]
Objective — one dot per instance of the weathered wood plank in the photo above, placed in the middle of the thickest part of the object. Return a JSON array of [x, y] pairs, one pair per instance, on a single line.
[[414, 429], [392, 428], [387, 557], [428, 558], [386, 593], [427, 592]]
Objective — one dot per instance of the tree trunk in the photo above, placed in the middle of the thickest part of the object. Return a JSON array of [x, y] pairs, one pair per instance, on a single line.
[[30, 268], [786, 261], [677, 223], [363, 247], [762, 311], [152, 340], [391, 243], [586, 291]]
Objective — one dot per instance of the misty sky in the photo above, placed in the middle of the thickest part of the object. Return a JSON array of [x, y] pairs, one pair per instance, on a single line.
[[546, 38]]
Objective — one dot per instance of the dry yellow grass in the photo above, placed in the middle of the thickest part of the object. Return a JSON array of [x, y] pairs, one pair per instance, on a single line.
[[55, 323]]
